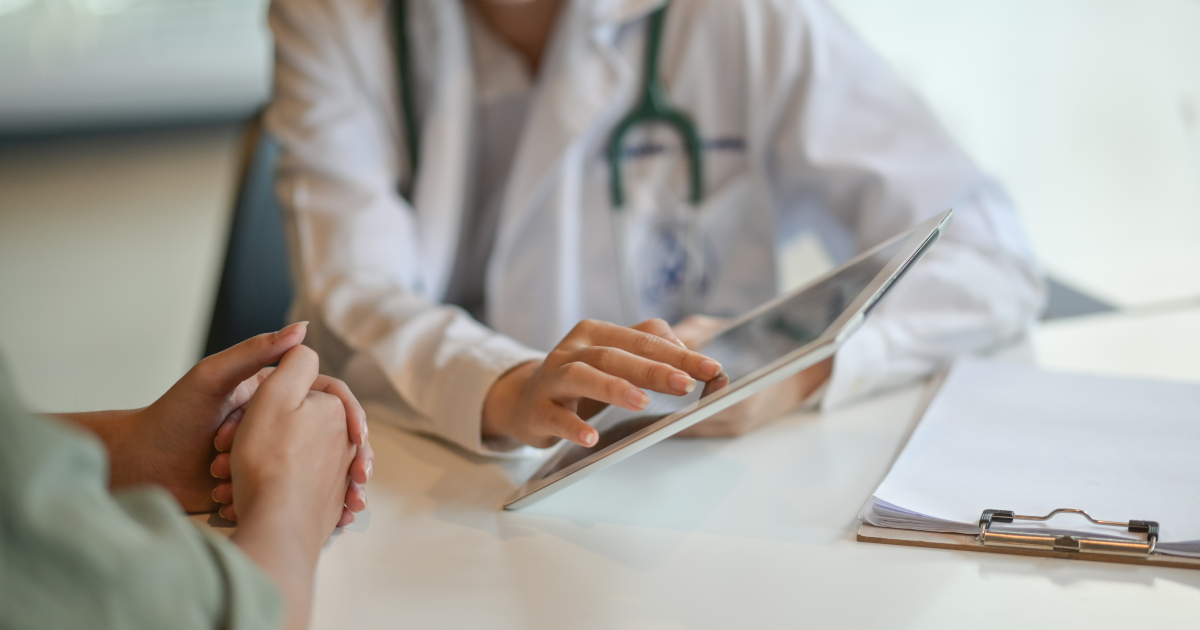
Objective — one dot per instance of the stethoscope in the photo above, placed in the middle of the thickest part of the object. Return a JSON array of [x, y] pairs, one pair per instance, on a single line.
[[654, 106]]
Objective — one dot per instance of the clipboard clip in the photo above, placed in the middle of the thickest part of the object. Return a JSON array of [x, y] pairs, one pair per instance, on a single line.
[[1067, 543]]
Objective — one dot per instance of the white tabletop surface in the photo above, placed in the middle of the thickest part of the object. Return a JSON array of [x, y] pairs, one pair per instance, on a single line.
[[756, 532]]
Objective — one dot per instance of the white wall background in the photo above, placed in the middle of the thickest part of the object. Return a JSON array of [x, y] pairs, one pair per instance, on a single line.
[[110, 245]]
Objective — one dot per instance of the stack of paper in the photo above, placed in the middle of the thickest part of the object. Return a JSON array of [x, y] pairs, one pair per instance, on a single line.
[[1011, 437]]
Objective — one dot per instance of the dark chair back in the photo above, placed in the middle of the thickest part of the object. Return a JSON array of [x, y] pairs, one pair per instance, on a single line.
[[256, 289]]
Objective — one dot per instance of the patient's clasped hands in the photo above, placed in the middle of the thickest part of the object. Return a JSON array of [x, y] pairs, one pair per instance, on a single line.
[[171, 442], [293, 453], [310, 393]]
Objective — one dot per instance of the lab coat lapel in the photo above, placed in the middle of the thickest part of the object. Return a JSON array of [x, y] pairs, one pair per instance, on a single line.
[[585, 75], [447, 136], [587, 86]]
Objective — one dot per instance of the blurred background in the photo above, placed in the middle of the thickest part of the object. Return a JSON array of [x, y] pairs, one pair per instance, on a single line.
[[128, 158]]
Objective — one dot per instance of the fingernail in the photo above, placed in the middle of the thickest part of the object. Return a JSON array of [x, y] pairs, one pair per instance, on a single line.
[[637, 398], [681, 382], [217, 447], [589, 439], [213, 472], [214, 496], [287, 330], [362, 438], [681, 344], [370, 467], [710, 368]]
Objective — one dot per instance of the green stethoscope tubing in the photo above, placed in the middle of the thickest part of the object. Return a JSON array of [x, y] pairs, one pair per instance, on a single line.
[[654, 106], [404, 78]]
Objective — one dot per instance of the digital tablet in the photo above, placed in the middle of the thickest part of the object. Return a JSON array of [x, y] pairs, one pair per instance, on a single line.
[[759, 349]]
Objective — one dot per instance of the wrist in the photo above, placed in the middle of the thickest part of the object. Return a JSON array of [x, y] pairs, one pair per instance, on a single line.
[[271, 540], [279, 505], [286, 527], [119, 431], [503, 397]]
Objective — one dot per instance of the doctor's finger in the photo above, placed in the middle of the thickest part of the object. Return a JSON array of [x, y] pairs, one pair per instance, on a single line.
[[639, 371], [555, 421], [659, 328], [697, 330], [657, 349], [577, 380]]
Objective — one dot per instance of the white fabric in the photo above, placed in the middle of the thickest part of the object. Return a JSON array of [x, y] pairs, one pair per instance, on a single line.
[[505, 87], [805, 129]]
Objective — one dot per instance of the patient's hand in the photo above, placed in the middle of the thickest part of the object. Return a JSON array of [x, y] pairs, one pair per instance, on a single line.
[[356, 423], [758, 409], [171, 442]]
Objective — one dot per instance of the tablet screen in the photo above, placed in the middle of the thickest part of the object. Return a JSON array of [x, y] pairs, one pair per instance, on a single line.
[[744, 349]]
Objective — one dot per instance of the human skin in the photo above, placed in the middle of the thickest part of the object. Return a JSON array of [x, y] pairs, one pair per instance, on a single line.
[[597, 363], [525, 24], [514, 407], [291, 463], [299, 452], [170, 443], [758, 409]]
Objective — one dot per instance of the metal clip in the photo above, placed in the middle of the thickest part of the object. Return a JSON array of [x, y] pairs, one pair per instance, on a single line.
[[1070, 544]]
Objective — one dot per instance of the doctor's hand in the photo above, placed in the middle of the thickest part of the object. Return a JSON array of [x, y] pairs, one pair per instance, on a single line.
[[596, 364], [698, 330]]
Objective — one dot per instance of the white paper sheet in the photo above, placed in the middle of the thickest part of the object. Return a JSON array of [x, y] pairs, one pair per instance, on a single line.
[[1012, 437]]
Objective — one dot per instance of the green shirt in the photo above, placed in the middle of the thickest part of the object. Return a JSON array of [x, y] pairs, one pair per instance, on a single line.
[[74, 555]]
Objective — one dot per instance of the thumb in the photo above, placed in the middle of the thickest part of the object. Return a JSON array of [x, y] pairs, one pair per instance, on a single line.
[[290, 382], [222, 372]]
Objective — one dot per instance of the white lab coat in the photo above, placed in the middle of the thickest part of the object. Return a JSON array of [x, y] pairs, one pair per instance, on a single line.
[[807, 129]]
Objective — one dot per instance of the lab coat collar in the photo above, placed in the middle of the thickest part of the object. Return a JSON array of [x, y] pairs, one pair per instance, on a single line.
[[570, 103], [587, 85], [447, 136]]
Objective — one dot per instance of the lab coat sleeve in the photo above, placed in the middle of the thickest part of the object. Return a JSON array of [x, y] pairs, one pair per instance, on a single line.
[[856, 154], [354, 241]]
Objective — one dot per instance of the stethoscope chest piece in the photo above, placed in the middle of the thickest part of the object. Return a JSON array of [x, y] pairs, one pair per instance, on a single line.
[[665, 253]]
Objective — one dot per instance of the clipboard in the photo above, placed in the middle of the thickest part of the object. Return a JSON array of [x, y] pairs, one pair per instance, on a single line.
[[1048, 545], [1140, 549]]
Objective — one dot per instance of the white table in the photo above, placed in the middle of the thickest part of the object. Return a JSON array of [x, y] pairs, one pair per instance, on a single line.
[[756, 532]]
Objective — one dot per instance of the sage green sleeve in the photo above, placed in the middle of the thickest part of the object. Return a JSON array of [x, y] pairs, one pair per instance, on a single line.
[[72, 555]]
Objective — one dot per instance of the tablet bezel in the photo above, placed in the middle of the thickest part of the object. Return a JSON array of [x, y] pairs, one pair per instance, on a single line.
[[918, 240]]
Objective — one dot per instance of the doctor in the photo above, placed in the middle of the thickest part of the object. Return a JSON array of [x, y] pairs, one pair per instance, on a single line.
[[459, 204]]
